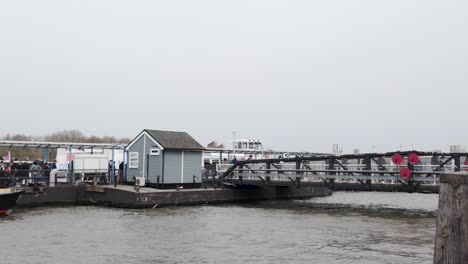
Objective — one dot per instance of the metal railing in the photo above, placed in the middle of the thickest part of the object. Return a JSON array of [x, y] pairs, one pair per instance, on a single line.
[[20, 177], [363, 168]]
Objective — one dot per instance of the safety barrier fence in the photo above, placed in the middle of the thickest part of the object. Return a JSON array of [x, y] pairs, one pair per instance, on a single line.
[[412, 166], [51, 177]]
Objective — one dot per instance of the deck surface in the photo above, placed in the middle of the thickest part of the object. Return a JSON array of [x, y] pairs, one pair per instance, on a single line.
[[129, 188]]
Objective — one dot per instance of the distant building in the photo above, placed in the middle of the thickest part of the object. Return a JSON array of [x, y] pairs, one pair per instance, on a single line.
[[337, 150], [247, 144], [165, 159], [458, 149], [214, 144], [242, 149]]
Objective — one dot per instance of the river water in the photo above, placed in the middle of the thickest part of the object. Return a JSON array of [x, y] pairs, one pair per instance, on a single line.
[[348, 227]]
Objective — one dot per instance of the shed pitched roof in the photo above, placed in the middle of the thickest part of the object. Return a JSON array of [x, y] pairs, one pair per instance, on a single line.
[[175, 140]]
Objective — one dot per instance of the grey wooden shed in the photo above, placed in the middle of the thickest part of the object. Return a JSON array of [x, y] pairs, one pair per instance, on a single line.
[[165, 159]]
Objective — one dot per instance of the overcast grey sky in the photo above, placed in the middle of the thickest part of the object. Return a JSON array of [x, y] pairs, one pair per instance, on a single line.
[[300, 75]]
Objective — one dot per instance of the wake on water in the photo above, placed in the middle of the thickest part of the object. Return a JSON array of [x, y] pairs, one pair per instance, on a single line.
[[380, 204]]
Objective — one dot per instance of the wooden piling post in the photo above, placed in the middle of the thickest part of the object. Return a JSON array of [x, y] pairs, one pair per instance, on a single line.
[[451, 242]]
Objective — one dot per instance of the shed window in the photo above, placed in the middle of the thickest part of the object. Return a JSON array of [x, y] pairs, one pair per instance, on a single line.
[[133, 160]]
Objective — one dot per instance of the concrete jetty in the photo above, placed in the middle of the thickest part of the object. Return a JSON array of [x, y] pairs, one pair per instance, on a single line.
[[127, 197]]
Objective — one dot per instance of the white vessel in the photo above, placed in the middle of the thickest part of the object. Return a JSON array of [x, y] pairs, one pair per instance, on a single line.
[[242, 149]]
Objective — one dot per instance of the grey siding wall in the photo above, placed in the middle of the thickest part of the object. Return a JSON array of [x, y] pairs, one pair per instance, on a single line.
[[192, 166], [155, 168], [150, 170], [137, 147], [172, 166]]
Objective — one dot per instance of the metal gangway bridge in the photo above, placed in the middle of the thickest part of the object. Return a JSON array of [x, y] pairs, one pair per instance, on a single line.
[[409, 171]]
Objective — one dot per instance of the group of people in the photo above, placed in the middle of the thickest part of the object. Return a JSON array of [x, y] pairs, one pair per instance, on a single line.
[[20, 170], [39, 170], [119, 172]]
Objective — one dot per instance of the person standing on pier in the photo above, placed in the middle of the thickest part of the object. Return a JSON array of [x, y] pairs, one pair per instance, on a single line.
[[46, 169], [2, 170], [53, 165], [111, 172], [8, 168], [121, 168], [35, 171]]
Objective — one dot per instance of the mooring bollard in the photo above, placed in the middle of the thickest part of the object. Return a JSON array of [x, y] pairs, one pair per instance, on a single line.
[[451, 242]]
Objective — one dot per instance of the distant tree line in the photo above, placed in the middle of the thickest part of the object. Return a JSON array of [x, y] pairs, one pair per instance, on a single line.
[[60, 136]]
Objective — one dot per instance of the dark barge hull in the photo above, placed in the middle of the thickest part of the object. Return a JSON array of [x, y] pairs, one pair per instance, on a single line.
[[124, 196], [7, 201]]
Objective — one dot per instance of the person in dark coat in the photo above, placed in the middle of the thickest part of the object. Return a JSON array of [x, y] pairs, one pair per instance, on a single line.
[[2, 169], [121, 171], [53, 165], [46, 169]]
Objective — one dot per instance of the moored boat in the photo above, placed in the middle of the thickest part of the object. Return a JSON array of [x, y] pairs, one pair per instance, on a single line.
[[8, 200]]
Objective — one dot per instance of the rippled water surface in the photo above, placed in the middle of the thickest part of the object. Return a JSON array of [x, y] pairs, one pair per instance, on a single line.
[[348, 227]]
